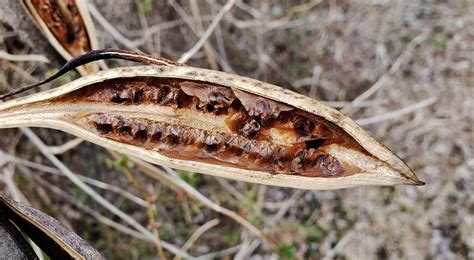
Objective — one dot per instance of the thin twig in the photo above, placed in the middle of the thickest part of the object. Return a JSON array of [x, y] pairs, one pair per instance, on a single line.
[[172, 178], [207, 46], [23, 57], [88, 180], [201, 230], [111, 29], [253, 244], [220, 254], [397, 113], [187, 55], [278, 22], [395, 66], [151, 209], [97, 197], [99, 217], [60, 149]]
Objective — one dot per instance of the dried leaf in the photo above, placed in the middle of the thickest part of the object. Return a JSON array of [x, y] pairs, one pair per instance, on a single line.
[[49, 234], [214, 123]]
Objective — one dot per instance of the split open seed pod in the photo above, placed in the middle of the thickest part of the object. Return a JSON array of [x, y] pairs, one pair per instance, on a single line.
[[68, 27], [214, 123], [50, 235]]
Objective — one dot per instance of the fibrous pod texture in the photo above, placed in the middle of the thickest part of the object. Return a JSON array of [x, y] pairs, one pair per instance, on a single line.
[[214, 123]]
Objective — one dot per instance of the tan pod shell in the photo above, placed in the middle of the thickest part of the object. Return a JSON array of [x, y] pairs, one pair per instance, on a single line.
[[375, 164]]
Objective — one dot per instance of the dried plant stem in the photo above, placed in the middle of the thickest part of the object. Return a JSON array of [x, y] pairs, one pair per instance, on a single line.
[[207, 46], [88, 180], [283, 21], [201, 230], [351, 108], [111, 29], [25, 57], [245, 251], [20, 71], [187, 55], [172, 178], [223, 62], [97, 197], [60, 149], [397, 113], [221, 254], [151, 210], [99, 217]]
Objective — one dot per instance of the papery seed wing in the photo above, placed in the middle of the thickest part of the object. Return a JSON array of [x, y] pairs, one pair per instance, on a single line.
[[156, 114], [67, 25]]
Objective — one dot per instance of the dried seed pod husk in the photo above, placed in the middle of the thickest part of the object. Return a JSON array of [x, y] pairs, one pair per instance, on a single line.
[[68, 27], [49, 234], [289, 140]]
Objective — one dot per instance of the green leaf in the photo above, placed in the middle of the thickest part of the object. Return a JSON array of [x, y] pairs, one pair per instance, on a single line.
[[145, 6]]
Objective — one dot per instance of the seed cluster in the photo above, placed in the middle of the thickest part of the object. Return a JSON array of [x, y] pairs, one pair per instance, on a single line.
[[65, 23], [221, 147], [245, 130]]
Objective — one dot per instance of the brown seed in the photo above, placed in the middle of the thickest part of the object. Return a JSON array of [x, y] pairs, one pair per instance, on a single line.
[[303, 126], [250, 128], [235, 144], [154, 95], [121, 125], [298, 161], [173, 97], [155, 132], [212, 142], [172, 134], [103, 122], [137, 95], [329, 165], [266, 151], [139, 130]]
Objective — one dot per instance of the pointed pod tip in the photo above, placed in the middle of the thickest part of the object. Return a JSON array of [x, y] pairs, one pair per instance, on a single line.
[[414, 181], [420, 183]]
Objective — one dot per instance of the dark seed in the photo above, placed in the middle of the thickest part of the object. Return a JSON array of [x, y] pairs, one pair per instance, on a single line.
[[250, 128], [188, 135], [303, 126], [121, 125], [263, 109], [329, 165], [155, 132], [153, 95], [173, 97], [212, 142], [215, 98], [235, 144], [266, 151], [103, 122], [139, 130], [248, 147], [173, 135], [298, 162], [137, 95]]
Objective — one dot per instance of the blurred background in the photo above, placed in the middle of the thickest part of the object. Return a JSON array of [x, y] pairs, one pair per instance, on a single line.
[[407, 63]]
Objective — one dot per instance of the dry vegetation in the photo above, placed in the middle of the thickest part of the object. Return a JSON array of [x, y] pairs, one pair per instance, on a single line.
[[417, 58]]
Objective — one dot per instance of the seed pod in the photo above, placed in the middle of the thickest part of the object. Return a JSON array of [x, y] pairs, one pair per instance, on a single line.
[[49, 234], [67, 25], [288, 140]]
